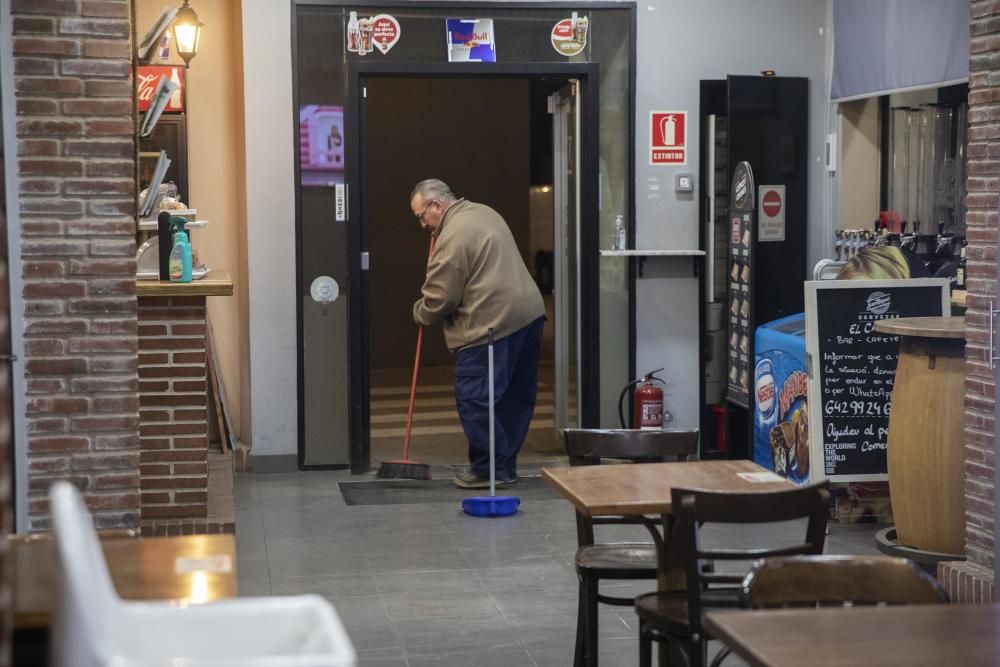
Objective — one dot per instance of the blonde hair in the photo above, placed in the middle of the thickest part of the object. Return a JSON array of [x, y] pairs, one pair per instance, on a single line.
[[876, 263]]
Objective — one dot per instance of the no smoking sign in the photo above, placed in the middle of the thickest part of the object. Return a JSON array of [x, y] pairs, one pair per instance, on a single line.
[[771, 213]]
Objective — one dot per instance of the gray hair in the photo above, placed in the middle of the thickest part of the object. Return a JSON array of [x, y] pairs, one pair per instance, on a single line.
[[433, 188]]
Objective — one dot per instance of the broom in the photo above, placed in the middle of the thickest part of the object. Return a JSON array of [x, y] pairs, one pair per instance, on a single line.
[[405, 468]]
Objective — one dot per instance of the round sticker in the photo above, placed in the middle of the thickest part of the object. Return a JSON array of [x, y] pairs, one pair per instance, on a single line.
[[569, 36], [385, 32], [324, 290]]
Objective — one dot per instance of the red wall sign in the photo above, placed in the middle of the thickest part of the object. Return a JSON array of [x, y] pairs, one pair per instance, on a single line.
[[771, 213], [149, 76], [668, 137], [772, 203]]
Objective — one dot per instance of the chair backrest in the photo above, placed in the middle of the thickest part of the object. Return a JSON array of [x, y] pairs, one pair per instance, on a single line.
[[694, 509], [88, 605], [811, 581], [586, 446]]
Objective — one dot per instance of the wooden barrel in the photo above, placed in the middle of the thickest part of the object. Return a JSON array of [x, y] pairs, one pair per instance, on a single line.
[[925, 444]]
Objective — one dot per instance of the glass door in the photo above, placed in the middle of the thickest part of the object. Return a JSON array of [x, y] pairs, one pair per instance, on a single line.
[[564, 106]]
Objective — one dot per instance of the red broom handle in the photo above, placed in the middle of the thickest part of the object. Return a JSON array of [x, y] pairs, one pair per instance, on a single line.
[[413, 382], [413, 394]]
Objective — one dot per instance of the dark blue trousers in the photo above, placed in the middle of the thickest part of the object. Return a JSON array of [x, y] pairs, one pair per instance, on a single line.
[[515, 377]]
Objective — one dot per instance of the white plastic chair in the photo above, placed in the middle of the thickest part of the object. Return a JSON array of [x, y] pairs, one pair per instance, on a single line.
[[93, 627]]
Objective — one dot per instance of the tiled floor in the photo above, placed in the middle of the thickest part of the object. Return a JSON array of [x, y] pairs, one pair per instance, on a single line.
[[424, 584]]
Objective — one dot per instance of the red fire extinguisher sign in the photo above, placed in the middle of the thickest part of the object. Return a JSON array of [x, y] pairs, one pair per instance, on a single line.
[[668, 137]]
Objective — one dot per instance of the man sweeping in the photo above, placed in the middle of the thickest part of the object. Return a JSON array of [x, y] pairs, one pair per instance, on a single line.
[[476, 280]]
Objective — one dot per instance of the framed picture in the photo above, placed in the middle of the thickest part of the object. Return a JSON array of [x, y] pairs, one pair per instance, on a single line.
[[170, 134]]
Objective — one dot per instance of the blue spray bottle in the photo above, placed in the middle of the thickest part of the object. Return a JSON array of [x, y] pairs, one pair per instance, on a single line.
[[180, 255]]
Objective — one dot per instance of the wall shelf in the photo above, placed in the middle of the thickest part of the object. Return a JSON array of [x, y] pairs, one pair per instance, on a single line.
[[652, 253], [150, 225], [644, 255]]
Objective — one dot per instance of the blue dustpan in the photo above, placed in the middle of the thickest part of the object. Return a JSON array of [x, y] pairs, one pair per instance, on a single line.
[[491, 505]]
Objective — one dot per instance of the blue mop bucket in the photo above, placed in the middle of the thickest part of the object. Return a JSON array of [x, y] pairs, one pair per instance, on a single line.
[[491, 505]]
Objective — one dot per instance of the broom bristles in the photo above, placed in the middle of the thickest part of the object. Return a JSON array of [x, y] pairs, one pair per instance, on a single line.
[[404, 470]]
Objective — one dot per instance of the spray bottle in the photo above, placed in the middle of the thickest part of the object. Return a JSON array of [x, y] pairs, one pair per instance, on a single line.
[[180, 255]]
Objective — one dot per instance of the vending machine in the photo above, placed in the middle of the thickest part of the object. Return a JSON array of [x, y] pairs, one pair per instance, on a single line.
[[757, 230]]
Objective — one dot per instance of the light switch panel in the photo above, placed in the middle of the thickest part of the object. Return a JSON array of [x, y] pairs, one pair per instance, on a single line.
[[684, 183]]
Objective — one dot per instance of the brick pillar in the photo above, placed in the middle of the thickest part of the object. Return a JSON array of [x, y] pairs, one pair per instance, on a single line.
[[76, 160], [972, 581], [173, 413]]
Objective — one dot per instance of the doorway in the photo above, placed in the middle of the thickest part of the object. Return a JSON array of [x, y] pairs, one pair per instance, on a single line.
[[516, 142]]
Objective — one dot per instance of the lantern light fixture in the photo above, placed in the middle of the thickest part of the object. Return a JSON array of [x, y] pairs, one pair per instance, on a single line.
[[187, 33]]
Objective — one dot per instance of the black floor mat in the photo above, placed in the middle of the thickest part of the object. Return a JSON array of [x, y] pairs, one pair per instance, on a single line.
[[409, 492]]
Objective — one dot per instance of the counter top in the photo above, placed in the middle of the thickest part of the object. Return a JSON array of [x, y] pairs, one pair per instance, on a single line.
[[215, 283], [926, 327]]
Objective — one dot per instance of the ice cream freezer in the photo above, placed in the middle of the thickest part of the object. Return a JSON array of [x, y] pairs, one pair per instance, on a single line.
[[781, 420]]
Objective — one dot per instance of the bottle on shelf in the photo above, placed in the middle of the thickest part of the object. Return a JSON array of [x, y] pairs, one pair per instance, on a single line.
[[960, 272], [180, 255], [618, 240], [838, 245]]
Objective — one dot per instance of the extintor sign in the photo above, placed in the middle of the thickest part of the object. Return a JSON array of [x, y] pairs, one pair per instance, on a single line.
[[668, 137]]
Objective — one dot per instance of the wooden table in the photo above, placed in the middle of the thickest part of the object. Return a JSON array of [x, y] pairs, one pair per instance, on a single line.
[[141, 569], [644, 488], [926, 457], [919, 635]]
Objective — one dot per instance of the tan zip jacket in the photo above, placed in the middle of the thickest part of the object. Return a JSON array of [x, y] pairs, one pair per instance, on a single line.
[[476, 279]]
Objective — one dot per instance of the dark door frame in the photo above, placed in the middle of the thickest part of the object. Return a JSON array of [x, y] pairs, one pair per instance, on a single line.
[[354, 118]]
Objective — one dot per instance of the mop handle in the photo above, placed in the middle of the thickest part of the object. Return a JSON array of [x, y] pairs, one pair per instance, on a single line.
[[413, 382], [493, 462], [413, 395]]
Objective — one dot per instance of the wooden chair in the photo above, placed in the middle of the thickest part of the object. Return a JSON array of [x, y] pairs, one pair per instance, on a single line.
[[622, 561], [816, 581], [676, 616]]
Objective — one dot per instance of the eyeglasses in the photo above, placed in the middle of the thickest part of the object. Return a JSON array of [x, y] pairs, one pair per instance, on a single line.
[[420, 218]]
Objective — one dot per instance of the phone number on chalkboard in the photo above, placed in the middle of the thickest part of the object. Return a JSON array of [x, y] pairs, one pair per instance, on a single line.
[[857, 408]]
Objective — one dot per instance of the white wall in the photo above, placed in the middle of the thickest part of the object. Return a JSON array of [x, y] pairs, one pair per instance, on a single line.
[[270, 170], [678, 45]]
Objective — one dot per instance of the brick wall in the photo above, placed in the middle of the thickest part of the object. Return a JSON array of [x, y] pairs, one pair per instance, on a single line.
[[75, 156], [173, 412], [984, 168]]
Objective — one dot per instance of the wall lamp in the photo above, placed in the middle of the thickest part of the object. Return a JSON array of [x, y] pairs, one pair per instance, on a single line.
[[187, 33]]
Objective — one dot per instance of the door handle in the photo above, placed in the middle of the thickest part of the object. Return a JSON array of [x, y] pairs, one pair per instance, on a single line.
[[365, 261], [992, 348]]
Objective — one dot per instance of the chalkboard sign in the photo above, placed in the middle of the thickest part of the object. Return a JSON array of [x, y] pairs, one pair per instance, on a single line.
[[742, 209], [852, 368]]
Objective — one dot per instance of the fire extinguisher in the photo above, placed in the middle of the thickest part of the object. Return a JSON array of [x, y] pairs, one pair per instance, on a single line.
[[648, 412]]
